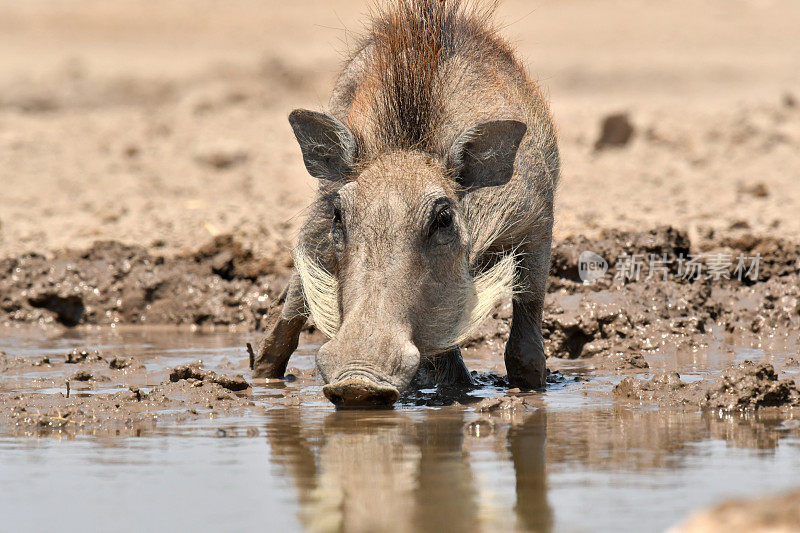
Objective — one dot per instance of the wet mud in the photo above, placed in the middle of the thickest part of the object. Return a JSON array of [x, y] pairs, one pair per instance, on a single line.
[[618, 321], [222, 283], [745, 385], [225, 284], [88, 392]]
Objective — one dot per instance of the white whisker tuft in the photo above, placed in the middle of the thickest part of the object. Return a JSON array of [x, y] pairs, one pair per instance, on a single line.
[[490, 288], [321, 291]]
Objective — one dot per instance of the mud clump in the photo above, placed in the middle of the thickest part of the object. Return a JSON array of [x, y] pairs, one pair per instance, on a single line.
[[779, 257], [743, 386], [68, 309], [221, 157], [751, 385], [223, 283], [122, 363], [663, 388], [503, 404], [757, 190], [613, 244], [195, 371], [230, 260], [622, 361], [616, 130], [79, 355], [81, 375]]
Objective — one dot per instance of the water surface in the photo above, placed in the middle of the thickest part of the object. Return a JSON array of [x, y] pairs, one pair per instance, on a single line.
[[576, 461]]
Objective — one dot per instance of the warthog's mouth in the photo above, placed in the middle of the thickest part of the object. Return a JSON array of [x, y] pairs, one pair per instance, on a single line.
[[357, 391]]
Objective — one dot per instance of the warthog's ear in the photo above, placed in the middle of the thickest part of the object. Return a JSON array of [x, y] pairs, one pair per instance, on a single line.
[[328, 146], [484, 154]]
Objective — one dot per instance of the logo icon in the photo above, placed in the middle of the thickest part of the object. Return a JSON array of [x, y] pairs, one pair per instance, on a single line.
[[591, 266]]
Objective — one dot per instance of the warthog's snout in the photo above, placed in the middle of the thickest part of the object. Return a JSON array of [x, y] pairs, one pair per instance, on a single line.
[[355, 381], [359, 392]]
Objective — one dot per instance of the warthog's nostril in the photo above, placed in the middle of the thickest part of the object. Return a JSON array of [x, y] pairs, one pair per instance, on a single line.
[[355, 392]]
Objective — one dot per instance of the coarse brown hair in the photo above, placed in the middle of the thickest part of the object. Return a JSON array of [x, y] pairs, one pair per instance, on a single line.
[[406, 54]]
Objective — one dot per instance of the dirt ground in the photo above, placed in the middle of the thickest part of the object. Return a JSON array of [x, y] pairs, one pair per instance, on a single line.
[[148, 175], [162, 124]]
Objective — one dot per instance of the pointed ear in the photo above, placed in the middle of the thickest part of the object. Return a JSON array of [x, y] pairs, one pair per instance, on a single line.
[[484, 155], [328, 147]]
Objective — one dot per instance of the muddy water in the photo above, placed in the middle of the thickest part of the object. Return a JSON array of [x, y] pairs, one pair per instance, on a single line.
[[570, 459]]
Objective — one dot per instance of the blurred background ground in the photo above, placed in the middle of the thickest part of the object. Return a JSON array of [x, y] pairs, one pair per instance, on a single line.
[[162, 123]]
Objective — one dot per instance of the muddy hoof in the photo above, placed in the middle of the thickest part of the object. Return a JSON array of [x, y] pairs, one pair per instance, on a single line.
[[354, 392]]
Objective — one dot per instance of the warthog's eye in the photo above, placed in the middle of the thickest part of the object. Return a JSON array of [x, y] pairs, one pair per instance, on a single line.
[[442, 226], [337, 228]]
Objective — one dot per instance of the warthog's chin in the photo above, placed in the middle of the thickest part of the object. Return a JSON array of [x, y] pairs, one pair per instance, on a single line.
[[488, 288]]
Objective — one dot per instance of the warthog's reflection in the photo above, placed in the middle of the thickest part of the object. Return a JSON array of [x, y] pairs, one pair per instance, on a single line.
[[390, 471]]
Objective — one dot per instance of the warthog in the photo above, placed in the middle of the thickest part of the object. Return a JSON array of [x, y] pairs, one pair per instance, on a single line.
[[437, 165]]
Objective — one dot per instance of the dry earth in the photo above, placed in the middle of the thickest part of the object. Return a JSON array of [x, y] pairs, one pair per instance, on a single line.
[[158, 124]]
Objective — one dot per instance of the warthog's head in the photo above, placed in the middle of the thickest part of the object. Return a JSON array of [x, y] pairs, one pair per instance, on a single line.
[[398, 287]]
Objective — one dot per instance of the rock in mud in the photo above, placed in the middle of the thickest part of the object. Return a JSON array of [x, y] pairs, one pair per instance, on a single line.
[[195, 371], [616, 130]]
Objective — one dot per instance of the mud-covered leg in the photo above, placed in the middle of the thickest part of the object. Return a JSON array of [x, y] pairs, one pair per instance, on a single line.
[[525, 359], [280, 342], [450, 369]]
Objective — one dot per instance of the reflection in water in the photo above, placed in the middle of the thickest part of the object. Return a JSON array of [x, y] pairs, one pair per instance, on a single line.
[[388, 470], [526, 443], [452, 469], [635, 440]]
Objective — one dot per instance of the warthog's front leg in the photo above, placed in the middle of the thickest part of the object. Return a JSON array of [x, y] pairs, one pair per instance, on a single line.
[[450, 369], [280, 342], [525, 359]]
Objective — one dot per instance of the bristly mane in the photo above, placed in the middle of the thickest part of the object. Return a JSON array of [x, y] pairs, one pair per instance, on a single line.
[[405, 53]]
